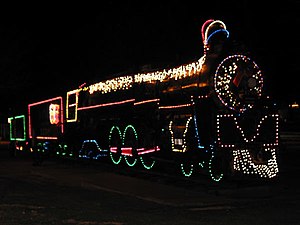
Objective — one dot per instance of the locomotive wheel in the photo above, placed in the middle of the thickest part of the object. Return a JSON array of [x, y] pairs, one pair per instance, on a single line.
[[191, 145], [148, 162], [130, 140], [187, 168], [130, 160], [216, 167], [115, 137]]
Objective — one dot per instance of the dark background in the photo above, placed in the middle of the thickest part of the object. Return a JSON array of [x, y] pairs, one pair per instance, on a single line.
[[46, 50]]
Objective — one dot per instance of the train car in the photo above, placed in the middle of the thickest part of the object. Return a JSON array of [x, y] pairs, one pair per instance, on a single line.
[[39, 129], [209, 115]]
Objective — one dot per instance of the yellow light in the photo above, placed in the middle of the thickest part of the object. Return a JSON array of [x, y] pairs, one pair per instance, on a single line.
[[295, 105]]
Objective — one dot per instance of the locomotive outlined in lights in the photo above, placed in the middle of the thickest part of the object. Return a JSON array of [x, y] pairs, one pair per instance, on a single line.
[[209, 115]]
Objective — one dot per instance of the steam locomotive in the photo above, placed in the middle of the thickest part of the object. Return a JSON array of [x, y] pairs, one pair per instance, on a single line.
[[210, 115]]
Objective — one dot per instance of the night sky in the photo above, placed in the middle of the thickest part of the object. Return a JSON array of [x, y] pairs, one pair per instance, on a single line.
[[47, 50]]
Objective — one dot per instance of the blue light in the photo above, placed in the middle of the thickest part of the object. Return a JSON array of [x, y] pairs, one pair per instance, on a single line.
[[220, 30]]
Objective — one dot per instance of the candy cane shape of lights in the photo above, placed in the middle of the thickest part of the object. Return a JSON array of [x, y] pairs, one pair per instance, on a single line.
[[203, 29], [209, 29]]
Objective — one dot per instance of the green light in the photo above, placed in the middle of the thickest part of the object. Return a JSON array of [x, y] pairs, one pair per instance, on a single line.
[[13, 129]]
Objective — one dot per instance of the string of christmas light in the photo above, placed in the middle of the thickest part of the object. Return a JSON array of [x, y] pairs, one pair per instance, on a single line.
[[238, 127], [54, 113], [182, 143], [207, 34], [88, 150], [243, 160], [115, 157], [60, 100], [72, 105], [228, 72], [63, 150], [129, 158], [12, 132], [126, 82]]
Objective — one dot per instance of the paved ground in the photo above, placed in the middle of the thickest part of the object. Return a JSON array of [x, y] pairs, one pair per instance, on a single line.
[[83, 193]]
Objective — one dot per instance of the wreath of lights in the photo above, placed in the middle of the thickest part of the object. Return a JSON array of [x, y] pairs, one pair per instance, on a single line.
[[237, 79]]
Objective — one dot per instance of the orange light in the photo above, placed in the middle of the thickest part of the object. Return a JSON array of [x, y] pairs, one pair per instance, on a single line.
[[54, 113]]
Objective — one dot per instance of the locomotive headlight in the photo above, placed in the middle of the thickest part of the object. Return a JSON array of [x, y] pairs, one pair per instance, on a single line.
[[238, 82], [252, 83]]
